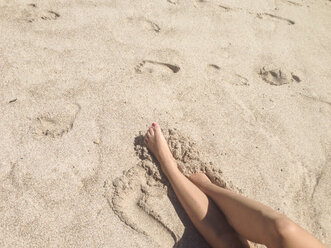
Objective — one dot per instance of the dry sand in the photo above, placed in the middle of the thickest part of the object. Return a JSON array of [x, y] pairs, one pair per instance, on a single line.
[[241, 89]]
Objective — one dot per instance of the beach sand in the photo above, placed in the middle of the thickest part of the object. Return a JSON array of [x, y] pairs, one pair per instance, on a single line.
[[240, 88]]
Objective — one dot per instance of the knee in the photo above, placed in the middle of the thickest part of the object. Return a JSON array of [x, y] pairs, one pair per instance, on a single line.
[[284, 228]]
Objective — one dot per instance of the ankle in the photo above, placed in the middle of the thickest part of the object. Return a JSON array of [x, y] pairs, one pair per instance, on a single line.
[[166, 159], [169, 167]]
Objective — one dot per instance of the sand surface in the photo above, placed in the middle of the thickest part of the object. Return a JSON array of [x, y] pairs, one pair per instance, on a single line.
[[241, 89]]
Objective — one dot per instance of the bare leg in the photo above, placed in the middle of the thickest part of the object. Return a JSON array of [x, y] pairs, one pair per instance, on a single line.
[[255, 221], [203, 213]]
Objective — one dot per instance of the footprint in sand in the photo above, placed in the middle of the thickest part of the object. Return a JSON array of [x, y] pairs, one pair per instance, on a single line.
[[56, 122], [143, 199], [149, 66], [292, 3], [278, 77], [135, 30], [49, 15], [226, 8], [228, 77], [216, 5], [175, 2], [32, 13], [144, 23], [274, 17]]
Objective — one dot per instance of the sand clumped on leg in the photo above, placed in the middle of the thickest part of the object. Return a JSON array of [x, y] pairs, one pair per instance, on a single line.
[[188, 157]]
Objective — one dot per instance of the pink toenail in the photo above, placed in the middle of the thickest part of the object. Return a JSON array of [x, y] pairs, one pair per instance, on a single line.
[[154, 124]]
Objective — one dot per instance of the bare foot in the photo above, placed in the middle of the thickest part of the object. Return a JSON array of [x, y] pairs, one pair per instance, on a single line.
[[157, 144]]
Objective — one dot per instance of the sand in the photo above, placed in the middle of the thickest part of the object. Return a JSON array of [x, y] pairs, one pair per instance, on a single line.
[[240, 88]]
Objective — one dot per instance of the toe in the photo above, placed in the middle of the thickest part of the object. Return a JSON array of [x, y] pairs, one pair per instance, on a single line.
[[151, 131], [145, 140], [148, 135], [156, 127]]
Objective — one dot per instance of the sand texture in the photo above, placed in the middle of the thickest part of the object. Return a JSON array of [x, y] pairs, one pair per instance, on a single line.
[[241, 89]]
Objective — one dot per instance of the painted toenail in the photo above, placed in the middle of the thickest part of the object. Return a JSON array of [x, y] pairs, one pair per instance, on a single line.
[[154, 124]]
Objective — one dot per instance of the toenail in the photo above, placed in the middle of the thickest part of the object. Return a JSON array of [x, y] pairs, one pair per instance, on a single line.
[[154, 124]]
